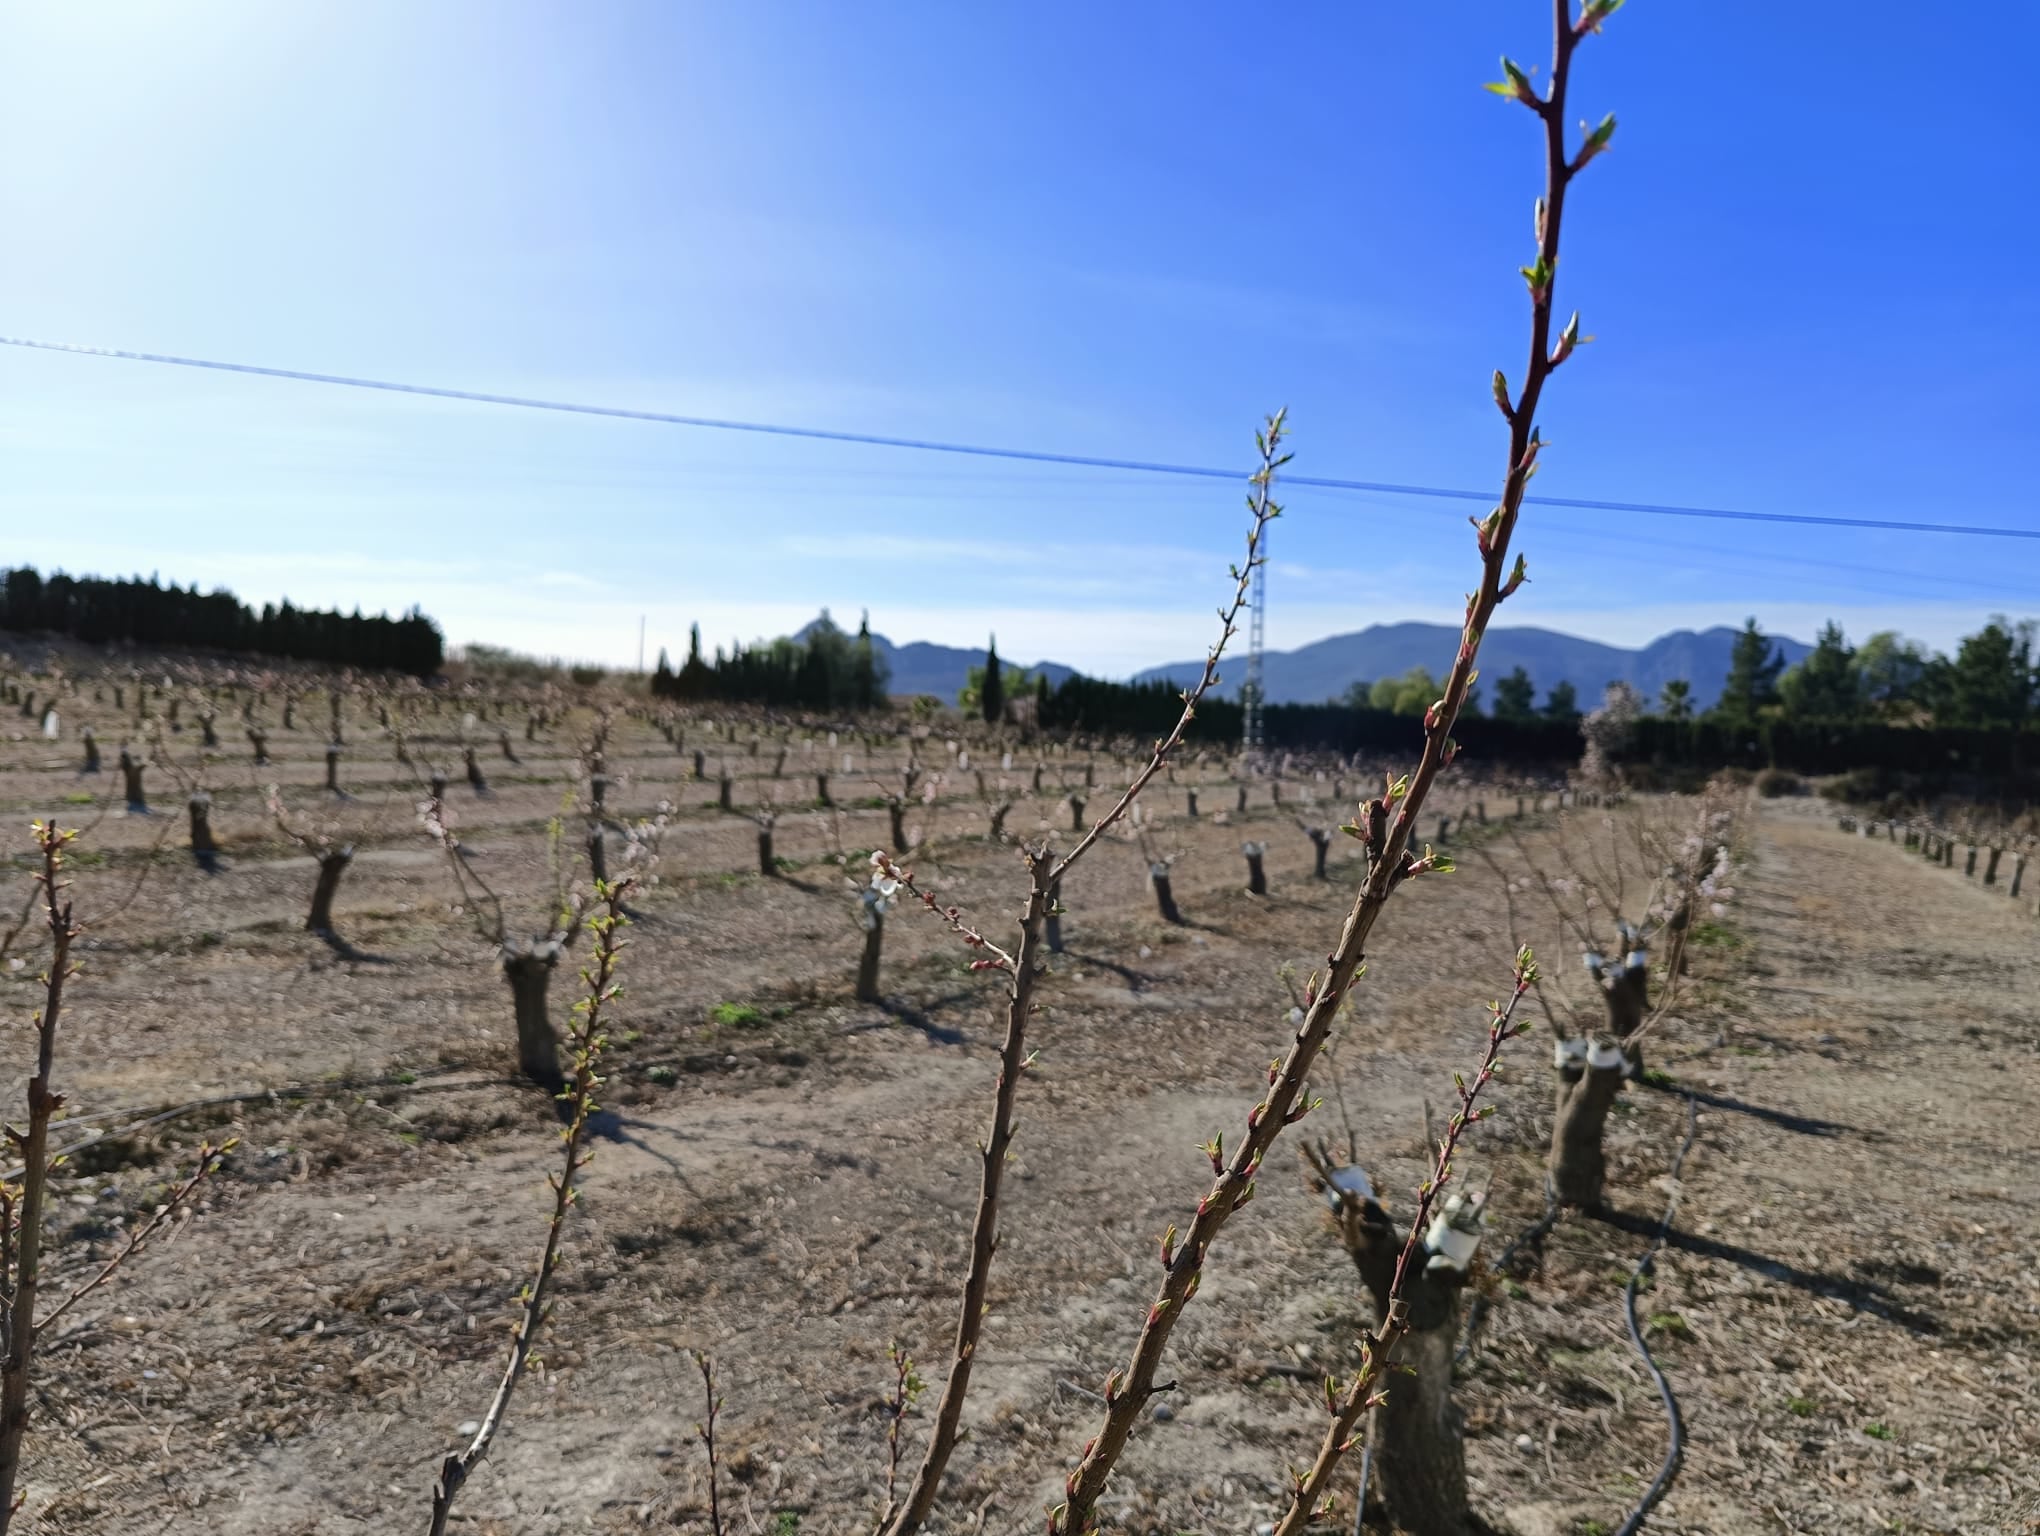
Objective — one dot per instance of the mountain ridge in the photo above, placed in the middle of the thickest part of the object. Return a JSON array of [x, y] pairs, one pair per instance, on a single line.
[[1324, 669]]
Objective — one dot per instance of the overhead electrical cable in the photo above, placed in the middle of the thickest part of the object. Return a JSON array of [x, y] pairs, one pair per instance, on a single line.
[[1027, 455]]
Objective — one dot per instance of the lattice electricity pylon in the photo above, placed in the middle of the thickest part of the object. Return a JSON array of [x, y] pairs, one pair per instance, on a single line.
[[1250, 691]]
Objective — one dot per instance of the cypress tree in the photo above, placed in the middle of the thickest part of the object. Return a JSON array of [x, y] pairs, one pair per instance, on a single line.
[[993, 695]]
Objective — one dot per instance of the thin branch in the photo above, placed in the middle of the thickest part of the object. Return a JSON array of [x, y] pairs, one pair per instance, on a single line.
[[1386, 826], [588, 1045], [1309, 1491]]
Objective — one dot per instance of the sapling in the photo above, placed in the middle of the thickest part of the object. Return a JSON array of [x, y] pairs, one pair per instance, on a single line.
[[1385, 827], [24, 1205], [1022, 968], [587, 1042]]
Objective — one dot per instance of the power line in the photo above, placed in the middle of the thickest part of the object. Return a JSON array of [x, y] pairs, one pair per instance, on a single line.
[[1026, 455]]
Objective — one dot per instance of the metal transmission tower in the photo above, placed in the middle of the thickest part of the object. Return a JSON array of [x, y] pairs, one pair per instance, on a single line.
[[1250, 692]]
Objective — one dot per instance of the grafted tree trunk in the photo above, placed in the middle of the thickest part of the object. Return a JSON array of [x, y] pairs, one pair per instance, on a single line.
[[1320, 849], [333, 768], [1051, 923], [768, 866], [700, 764], [203, 846], [1190, 803], [896, 816], [1590, 1077], [259, 741], [867, 963], [722, 792], [131, 774], [92, 752], [477, 780], [598, 851], [822, 790], [1990, 867], [1257, 874], [1165, 898], [1076, 813], [1418, 1432], [528, 969], [333, 864]]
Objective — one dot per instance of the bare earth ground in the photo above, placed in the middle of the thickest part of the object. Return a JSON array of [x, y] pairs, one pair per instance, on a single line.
[[1848, 1309]]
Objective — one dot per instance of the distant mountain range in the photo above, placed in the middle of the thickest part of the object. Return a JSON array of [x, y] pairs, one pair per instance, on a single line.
[[1326, 668]]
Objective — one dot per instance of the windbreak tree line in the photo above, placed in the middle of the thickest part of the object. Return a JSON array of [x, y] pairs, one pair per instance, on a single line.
[[823, 669], [102, 611]]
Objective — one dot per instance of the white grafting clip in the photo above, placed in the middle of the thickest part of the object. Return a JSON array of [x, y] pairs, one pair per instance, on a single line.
[[1569, 1053], [1602, 1057], [1455, 1233], [1348, 1183]]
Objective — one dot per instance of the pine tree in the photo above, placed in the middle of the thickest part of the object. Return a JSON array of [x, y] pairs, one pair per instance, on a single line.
[[1827, 685], [1562, 703], [1513, 695], [1752, 686], [1675, 700]]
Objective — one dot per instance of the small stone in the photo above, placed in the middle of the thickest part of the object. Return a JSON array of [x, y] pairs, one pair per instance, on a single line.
[[467, 1428], [1163, 1413], [1525, 1444]]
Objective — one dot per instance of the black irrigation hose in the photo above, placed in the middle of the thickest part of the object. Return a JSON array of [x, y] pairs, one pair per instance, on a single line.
[[1675, 1451]]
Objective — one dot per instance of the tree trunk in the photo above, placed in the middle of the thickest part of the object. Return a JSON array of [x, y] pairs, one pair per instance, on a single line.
[[700, 764], [1243, 800], [208, 737], [896, 814], [1190, 796], [476, 780], [438, 783], [528, 969], [1969, 863], [1257, 875], [333, 767], [999, 813], [91, 752], [1579, 1165], [1320, 847], [1444, 828], [598, 852], [822, 789], [1480, 812], [1076, 813], [867, 964], [260, 743], [2018, 873], [203, 847], [131, 772], [1037, 778], [768, 866], [1991, 865], [1417, 1434], [598, 790], [1519, 807], [779, 764], [531, 727], [1165, 899], [509, 752], [722, 793], [332, 865]]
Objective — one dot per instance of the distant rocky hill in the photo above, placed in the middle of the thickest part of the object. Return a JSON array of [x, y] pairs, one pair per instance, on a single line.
[[1326, 668]]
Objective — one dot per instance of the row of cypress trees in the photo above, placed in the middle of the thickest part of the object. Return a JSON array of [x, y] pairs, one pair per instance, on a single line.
[[102, 611]]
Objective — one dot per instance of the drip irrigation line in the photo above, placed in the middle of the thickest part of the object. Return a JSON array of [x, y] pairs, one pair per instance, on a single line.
[[1675, 1448]]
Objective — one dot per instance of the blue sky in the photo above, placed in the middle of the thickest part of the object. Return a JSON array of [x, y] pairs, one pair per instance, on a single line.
[[1127, 230]]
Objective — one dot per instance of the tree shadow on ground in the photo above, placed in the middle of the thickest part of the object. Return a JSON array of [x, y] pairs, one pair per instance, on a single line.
[[1804, 1125], [1862, 1295]]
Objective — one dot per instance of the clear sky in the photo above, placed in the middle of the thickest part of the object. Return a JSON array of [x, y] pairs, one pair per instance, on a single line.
[[1130, 230]]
